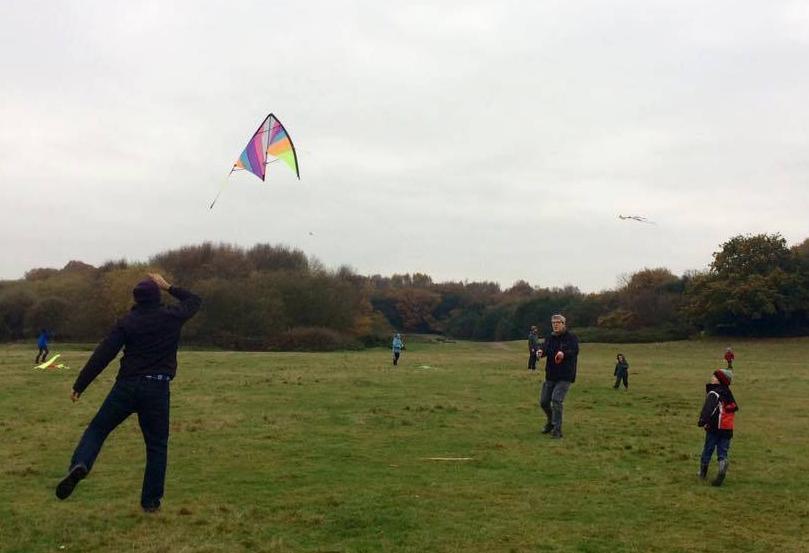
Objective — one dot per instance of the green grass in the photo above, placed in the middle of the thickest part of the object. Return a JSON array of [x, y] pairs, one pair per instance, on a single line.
[[327, 452]]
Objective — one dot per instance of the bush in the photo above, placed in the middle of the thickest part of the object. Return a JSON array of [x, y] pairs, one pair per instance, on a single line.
[[307, 338], [623, 336]]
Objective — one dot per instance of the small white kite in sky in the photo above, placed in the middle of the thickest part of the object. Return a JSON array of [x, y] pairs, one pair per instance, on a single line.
[[637, 218]]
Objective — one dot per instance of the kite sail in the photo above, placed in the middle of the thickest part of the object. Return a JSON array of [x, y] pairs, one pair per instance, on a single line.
[[270, 139], [51, 363]]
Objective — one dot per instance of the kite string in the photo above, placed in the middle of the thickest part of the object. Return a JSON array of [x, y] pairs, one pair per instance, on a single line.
[[222, 188], [228, 181]]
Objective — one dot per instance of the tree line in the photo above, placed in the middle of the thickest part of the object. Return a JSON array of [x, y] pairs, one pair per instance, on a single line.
[[275, 297]]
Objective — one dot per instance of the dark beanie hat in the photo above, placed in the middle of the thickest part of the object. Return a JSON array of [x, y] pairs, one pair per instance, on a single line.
[[724, 376], [146, 291]]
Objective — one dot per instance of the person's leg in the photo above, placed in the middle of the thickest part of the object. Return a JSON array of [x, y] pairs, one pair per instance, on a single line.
[[153, 417], [532, 361], [617, 381], [557, 399], [707, 452], [118, 405], [396, 357], [626, 380], [545, 394], [722, 447]]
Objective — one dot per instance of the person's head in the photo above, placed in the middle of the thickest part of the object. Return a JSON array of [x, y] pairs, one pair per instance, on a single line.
[[620, 357], [146, 292], [722, 376], [728, 349], [558, 323], [534, 329]]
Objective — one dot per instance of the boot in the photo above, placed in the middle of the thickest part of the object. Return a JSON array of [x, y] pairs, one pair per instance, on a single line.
[[703, 471], [68, 483], [720, 476]]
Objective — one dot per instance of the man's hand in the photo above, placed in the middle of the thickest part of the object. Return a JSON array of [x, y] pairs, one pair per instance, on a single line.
[[74, 396], [559, 357], [160, 281]]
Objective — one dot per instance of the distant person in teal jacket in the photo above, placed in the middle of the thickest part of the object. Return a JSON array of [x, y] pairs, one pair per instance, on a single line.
[[398, 346], [42, 344]]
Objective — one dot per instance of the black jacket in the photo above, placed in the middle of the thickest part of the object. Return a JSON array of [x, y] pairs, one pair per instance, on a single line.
[[718, 418], [568, 344], [149, 334]]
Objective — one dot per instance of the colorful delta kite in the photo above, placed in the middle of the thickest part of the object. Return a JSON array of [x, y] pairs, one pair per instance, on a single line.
[[270, 139]]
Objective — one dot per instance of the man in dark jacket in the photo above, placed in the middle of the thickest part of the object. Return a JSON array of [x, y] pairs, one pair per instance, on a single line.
[[561, 350], [149, 334]]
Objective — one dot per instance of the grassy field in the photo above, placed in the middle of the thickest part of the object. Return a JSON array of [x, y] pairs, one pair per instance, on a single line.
[[329, 452]]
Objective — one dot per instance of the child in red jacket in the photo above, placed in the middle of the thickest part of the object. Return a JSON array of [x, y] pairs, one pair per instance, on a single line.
[[729, 357]]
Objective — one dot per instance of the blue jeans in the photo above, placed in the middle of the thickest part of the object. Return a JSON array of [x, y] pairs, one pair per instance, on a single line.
[[715, 440], [150, 400], [551, 398]]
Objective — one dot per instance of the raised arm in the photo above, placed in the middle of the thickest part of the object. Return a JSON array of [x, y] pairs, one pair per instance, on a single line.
[[189, 302]]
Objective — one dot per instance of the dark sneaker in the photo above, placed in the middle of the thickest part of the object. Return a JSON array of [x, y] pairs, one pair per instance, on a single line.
[[547, 428], [66, 486], [152, 509], [703, 472], [556, 434]]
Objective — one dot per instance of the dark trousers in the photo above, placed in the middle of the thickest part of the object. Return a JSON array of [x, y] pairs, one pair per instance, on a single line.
[[715, 440], [622, 376], [551, 398], [44, 353], [532, 360], [148, 398], [396, 355]]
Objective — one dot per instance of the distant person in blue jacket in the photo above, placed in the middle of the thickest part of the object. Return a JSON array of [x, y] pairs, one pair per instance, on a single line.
[[42, 344], [398, 346]]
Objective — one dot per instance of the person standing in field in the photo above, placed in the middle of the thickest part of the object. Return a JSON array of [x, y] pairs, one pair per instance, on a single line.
[[561, 350], [621, 373], [42, 344], [149, 334], [533, 347], [398, 346], [717, 418], [729, 357]]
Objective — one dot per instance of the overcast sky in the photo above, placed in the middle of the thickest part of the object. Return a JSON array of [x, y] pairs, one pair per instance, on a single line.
[[468, 140]]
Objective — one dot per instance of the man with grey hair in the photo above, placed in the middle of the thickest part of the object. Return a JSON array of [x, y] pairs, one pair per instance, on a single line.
[[561, 351]]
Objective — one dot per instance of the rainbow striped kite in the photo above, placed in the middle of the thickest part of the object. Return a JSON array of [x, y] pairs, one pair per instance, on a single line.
[[270, 139]]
